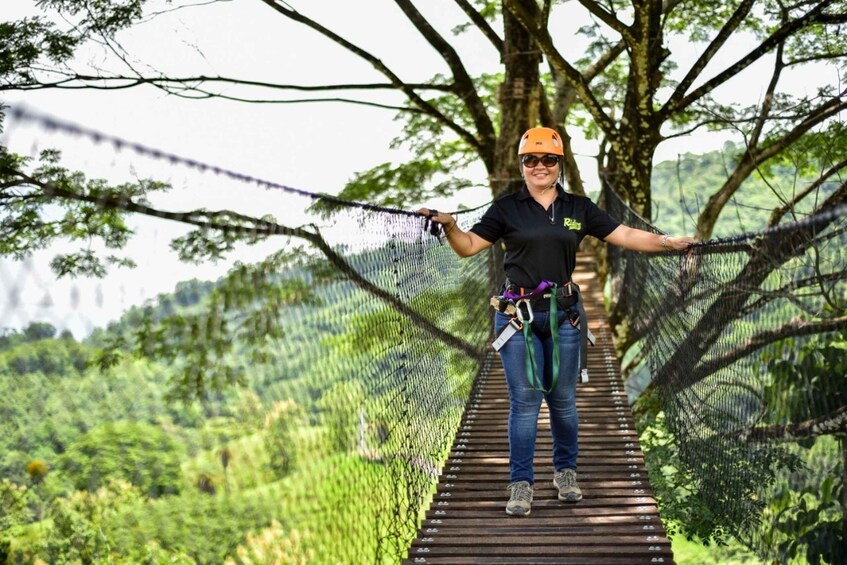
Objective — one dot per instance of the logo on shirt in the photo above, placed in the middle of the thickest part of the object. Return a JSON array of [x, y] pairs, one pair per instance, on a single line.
[[572, 224]]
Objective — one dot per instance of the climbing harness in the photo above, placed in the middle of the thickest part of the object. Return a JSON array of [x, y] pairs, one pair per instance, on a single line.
[[517, 303]]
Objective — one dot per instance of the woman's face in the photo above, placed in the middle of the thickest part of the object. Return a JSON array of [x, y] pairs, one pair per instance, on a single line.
[[540, 170]]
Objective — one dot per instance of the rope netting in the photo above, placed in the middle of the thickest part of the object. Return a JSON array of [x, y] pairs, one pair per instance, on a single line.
[[745, 340], [307, 398]]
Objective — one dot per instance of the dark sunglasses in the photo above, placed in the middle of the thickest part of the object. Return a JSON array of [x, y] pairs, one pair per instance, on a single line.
[[529, 161]]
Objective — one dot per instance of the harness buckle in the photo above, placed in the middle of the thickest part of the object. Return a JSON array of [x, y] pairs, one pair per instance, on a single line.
[[508, 331]]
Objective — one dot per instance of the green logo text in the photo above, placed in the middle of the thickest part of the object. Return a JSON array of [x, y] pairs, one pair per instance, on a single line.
[[572, 224]]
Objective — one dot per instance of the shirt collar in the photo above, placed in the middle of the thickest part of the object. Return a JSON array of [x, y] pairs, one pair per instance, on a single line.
[[523, 194]]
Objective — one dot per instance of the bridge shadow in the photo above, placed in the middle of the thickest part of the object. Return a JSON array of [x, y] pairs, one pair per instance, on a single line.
[[616, 522]]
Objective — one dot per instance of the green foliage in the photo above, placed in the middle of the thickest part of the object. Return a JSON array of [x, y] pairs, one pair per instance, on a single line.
[[100, 16], [25, 42], [281, 423], [28, 223], [39, 330], [80, 523], [805, 383], [692, 552], [804, 518], [142, 454], [201, 527], [47, 356], [682, 511], [213, 243], [242, 310], [806, 380], [272, 545], [37, 470], [342, 422], [680, 188], [35, 331], [14, 513], [809, 523], [191, 292], [699, 20]]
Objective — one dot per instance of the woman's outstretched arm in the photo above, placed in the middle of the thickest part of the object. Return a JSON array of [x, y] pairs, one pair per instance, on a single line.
[[463, 243], [640, 240]]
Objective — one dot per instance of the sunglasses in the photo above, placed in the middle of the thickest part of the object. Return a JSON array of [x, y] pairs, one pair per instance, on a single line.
[[529, 161]]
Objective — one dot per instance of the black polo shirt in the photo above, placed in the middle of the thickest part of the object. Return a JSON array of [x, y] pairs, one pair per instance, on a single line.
[[541, 244]]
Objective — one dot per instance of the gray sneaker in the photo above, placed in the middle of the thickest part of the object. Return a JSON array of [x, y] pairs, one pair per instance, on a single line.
[[520, 502], [565, 481]]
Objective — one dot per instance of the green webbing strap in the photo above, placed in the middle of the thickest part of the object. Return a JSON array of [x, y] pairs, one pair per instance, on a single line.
[[535, 380]]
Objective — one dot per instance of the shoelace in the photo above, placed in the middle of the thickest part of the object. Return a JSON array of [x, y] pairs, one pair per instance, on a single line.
[[567, 478], [521, 491]]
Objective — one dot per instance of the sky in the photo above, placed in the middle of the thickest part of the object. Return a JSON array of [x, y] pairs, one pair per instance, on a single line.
[[316, 147]]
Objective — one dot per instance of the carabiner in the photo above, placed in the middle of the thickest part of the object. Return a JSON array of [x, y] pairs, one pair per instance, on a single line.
[[528, 310]]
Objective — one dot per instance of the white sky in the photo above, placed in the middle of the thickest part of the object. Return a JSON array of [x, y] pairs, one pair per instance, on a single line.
[[316, 147]]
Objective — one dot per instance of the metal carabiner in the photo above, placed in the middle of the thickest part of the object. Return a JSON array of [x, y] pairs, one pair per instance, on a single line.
[[528, 310]]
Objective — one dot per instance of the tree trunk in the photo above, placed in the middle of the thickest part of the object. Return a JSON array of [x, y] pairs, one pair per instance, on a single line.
[[630, 166], [844, 489], [519, 99]]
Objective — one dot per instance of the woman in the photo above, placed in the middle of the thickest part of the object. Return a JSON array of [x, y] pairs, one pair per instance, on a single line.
[[542, 226]]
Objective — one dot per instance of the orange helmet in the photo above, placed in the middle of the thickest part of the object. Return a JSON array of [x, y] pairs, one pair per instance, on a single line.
[[541, 140]]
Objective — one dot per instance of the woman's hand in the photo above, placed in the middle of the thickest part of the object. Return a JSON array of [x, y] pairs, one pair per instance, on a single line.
[[677, 243], [463, 243], [439, 217]]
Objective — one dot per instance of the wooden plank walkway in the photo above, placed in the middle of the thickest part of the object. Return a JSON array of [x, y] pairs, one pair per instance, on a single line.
[[617, 520]]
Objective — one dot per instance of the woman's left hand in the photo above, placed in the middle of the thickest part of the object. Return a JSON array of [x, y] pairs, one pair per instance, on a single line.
[[677, 243]]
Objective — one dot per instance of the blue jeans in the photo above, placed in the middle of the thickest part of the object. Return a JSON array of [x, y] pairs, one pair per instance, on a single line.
[[524, 402]]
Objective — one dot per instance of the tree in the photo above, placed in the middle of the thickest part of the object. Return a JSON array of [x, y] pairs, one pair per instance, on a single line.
[[39, 330], [14, 512], [139, 453], [281, 424]]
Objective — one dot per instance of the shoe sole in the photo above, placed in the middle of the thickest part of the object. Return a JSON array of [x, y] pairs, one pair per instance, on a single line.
[[570, 497], [518, 513]]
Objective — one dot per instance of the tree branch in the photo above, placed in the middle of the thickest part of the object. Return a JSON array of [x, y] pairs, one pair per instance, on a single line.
[[834, 423], [414, 98], [794, 328], [814, 58], [200, 79], [720, 39], [603, 61], [811, 17], [778, 213], [768, 254], [608, 18], [787, 292], [754, 157], [254, 227], [480, 22], [464, 86], [767, 102]]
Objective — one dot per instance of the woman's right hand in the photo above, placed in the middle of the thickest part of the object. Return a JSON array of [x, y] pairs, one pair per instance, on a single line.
[[439, 217]]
